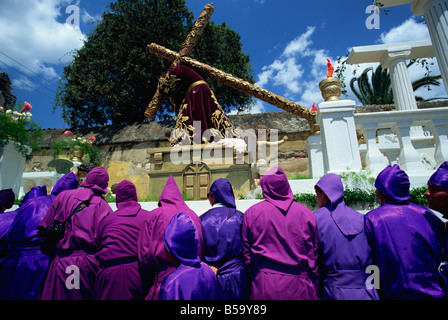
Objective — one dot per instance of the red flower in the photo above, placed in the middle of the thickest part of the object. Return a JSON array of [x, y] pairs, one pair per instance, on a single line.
[[68, 133], [26, 108], [92, 138]]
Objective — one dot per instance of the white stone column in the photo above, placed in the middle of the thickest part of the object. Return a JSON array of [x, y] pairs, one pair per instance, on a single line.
[[338, 134], [436, 14], [313, 146], [404, 96]]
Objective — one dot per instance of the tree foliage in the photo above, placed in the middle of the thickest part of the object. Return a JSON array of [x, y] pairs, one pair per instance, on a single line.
[[113, 77], [378, 88]]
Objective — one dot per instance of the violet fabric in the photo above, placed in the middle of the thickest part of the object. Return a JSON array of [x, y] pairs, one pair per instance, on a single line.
[[7, 198], [344, 253], [221, 228], [394, 183], [406, 242], [118, 277], [193, 279], [80, 242], [440, 177], [280, 244], [151, 253], [97, 181], [25, 266]]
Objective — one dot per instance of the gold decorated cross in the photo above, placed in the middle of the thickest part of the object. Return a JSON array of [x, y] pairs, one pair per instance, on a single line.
[[221, 76]]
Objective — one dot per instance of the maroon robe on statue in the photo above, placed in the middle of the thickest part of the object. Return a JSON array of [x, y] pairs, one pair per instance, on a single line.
[[199, 104]]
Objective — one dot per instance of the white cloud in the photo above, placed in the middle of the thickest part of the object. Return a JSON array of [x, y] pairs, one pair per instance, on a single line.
[[33, 34], [298, 70], [410, 30]]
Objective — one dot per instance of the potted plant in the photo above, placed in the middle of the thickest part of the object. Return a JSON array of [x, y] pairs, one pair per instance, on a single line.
[[77, 148], [19, 135]]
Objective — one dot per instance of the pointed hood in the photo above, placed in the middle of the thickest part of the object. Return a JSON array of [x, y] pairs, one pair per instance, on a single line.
[[37, 191], [182, 240], [126, 200], [171, 196], [348, 221], [276, 188], [67, 182], [394, 183], [223, 192], [440, 177], [97, 180]]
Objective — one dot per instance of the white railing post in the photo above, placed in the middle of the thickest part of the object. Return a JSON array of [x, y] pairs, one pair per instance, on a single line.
[[409, 159], [374, 159], [438, 128]]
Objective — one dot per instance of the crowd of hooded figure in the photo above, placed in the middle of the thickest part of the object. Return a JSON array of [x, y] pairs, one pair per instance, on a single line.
[[72, 245]]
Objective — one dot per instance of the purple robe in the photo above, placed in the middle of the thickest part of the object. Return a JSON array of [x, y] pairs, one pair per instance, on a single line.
[[280, 243], [6, 218], [25, 266], [344, 253], [221, 229], [193, 279], [74, 262], [118, 277], [406, 241], [440, 179], [151, 252]]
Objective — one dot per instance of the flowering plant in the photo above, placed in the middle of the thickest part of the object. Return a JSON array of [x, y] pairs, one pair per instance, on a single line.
[[90, 152], [18, 127]]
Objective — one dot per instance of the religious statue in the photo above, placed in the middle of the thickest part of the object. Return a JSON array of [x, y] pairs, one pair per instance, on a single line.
[[193, 100]]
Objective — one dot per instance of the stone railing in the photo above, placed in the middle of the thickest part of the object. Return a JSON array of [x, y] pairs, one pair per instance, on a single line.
[[397, 137], [415, 139], [31, 179]]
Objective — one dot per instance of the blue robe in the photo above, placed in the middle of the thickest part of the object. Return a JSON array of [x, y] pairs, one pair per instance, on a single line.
[[406, 241], [25, 266], [193, 279], [221, 230]]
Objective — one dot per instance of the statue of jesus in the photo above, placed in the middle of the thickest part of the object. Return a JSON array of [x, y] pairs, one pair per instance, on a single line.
[[193, 100]]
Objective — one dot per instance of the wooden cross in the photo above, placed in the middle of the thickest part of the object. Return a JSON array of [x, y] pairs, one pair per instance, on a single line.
[[223, 77], [185, 51]]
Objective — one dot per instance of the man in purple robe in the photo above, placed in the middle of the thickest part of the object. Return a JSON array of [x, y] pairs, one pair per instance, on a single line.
[[437, 193], [7, 198], [193, 279], [344, 253], [221, 229], [71, 275], [406, 240], [25, 266], [118, 277], [280, 244], [437, 196], [151, 250]]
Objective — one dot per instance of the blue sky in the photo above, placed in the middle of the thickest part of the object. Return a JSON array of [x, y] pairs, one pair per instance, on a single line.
[[288, 42]]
